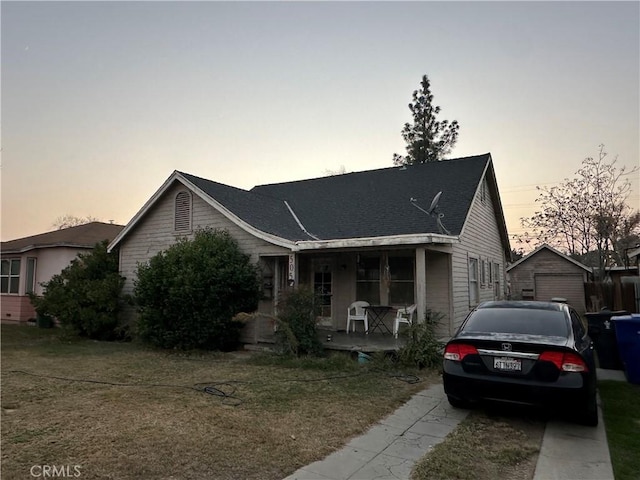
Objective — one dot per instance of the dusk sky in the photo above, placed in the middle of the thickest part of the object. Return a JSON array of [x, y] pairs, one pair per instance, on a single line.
[[102, 101]]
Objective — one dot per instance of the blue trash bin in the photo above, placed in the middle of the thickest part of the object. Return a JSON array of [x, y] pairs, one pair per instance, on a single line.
[[628, 334]]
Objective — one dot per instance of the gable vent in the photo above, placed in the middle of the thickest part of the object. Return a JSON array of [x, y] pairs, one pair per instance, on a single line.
[[183, 212]]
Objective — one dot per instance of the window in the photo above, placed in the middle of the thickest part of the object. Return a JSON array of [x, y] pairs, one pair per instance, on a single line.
[[30, 284], [497, 293], [483, 272], [322, 287], [401, 289], [368, 279], [183, 212], [530, 321], [473, 281], [10, 276], [579, 330]]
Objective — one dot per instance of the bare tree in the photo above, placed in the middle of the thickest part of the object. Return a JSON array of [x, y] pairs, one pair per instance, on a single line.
[[67, 220], [587, 213]]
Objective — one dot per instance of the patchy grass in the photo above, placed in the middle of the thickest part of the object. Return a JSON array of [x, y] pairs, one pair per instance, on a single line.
[[123, 411], [485, 446], [621, 411]]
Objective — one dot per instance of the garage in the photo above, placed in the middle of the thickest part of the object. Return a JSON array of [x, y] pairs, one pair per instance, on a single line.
[[547, 273], [569, 286]]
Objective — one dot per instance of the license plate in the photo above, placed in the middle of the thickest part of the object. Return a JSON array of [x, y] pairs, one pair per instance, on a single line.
[[507, 364]]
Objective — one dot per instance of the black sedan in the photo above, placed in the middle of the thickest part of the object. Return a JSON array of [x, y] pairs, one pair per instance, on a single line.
[[533, 353]]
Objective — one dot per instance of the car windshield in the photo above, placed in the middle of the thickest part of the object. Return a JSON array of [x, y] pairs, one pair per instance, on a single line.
[[519, 321]]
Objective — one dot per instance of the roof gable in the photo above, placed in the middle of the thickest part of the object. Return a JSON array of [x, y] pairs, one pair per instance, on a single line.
[[81, 236], [552, 250]]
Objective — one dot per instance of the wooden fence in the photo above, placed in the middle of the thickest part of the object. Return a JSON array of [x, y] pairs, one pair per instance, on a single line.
[[612, 295]]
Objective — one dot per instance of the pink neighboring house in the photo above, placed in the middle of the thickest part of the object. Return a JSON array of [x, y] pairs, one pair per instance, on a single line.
[[30, 261]]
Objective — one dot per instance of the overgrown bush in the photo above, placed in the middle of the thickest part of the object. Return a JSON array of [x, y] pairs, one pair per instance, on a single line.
[[188, 295], [85, 296], [423, 350], [296, 332]]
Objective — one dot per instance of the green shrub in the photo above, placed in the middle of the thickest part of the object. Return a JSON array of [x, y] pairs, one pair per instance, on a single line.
[[85, 296], [423, 350], [188, 295], [296, 332]]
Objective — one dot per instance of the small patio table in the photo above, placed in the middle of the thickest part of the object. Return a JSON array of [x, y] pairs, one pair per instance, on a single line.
[[376, 314]]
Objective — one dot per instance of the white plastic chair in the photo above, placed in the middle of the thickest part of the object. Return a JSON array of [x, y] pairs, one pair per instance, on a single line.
[[404, 315], [355, 312]]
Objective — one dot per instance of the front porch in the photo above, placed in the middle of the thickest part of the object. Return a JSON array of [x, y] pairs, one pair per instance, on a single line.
[[360, 342], [258, 333]]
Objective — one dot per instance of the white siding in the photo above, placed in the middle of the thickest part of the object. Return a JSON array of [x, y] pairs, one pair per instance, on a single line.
[[155, 232], [480, 239], [439, 289]]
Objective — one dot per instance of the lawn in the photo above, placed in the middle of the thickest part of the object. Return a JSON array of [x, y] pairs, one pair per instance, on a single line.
[[621, 410], [494, 441], [120, 410]]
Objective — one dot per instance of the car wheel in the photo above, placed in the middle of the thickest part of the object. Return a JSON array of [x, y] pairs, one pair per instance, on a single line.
[[458, 403], [590, 415]]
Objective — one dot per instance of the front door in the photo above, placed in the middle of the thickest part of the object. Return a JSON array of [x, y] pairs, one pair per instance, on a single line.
[[323, 288]]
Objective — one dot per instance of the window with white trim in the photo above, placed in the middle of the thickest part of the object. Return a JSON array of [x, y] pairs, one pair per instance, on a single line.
[[182, 215], [10, 276], [30, 284], [474, 292], [483, 272]]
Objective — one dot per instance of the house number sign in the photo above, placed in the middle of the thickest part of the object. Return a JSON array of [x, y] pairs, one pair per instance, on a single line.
[[292, 267]]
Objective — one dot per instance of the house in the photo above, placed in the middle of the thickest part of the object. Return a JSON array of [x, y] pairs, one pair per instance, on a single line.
[[30, 261], [546, 273], [432, 234]]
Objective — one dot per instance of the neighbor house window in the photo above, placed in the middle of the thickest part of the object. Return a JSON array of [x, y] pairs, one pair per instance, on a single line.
[[183, 212], [10, 276], [368, 279], [30, 284], [401, 289], [473, 281]]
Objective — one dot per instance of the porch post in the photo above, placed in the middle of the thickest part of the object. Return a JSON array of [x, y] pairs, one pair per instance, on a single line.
[[277, 281], [421, 283]]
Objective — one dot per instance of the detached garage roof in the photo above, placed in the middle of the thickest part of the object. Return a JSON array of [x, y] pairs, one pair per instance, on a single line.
[[552, 250]]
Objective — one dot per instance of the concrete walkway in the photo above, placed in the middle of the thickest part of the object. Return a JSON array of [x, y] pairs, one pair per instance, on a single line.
[[389, 450]]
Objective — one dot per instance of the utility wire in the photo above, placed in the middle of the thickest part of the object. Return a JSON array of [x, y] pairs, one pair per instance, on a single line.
[[217, 388], [210, 388]]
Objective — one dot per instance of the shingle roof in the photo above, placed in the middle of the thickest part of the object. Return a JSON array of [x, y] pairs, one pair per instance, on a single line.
[[264, 213], [331, 211], [377, 203], [373, 203], [82, 236], [544, 246]]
